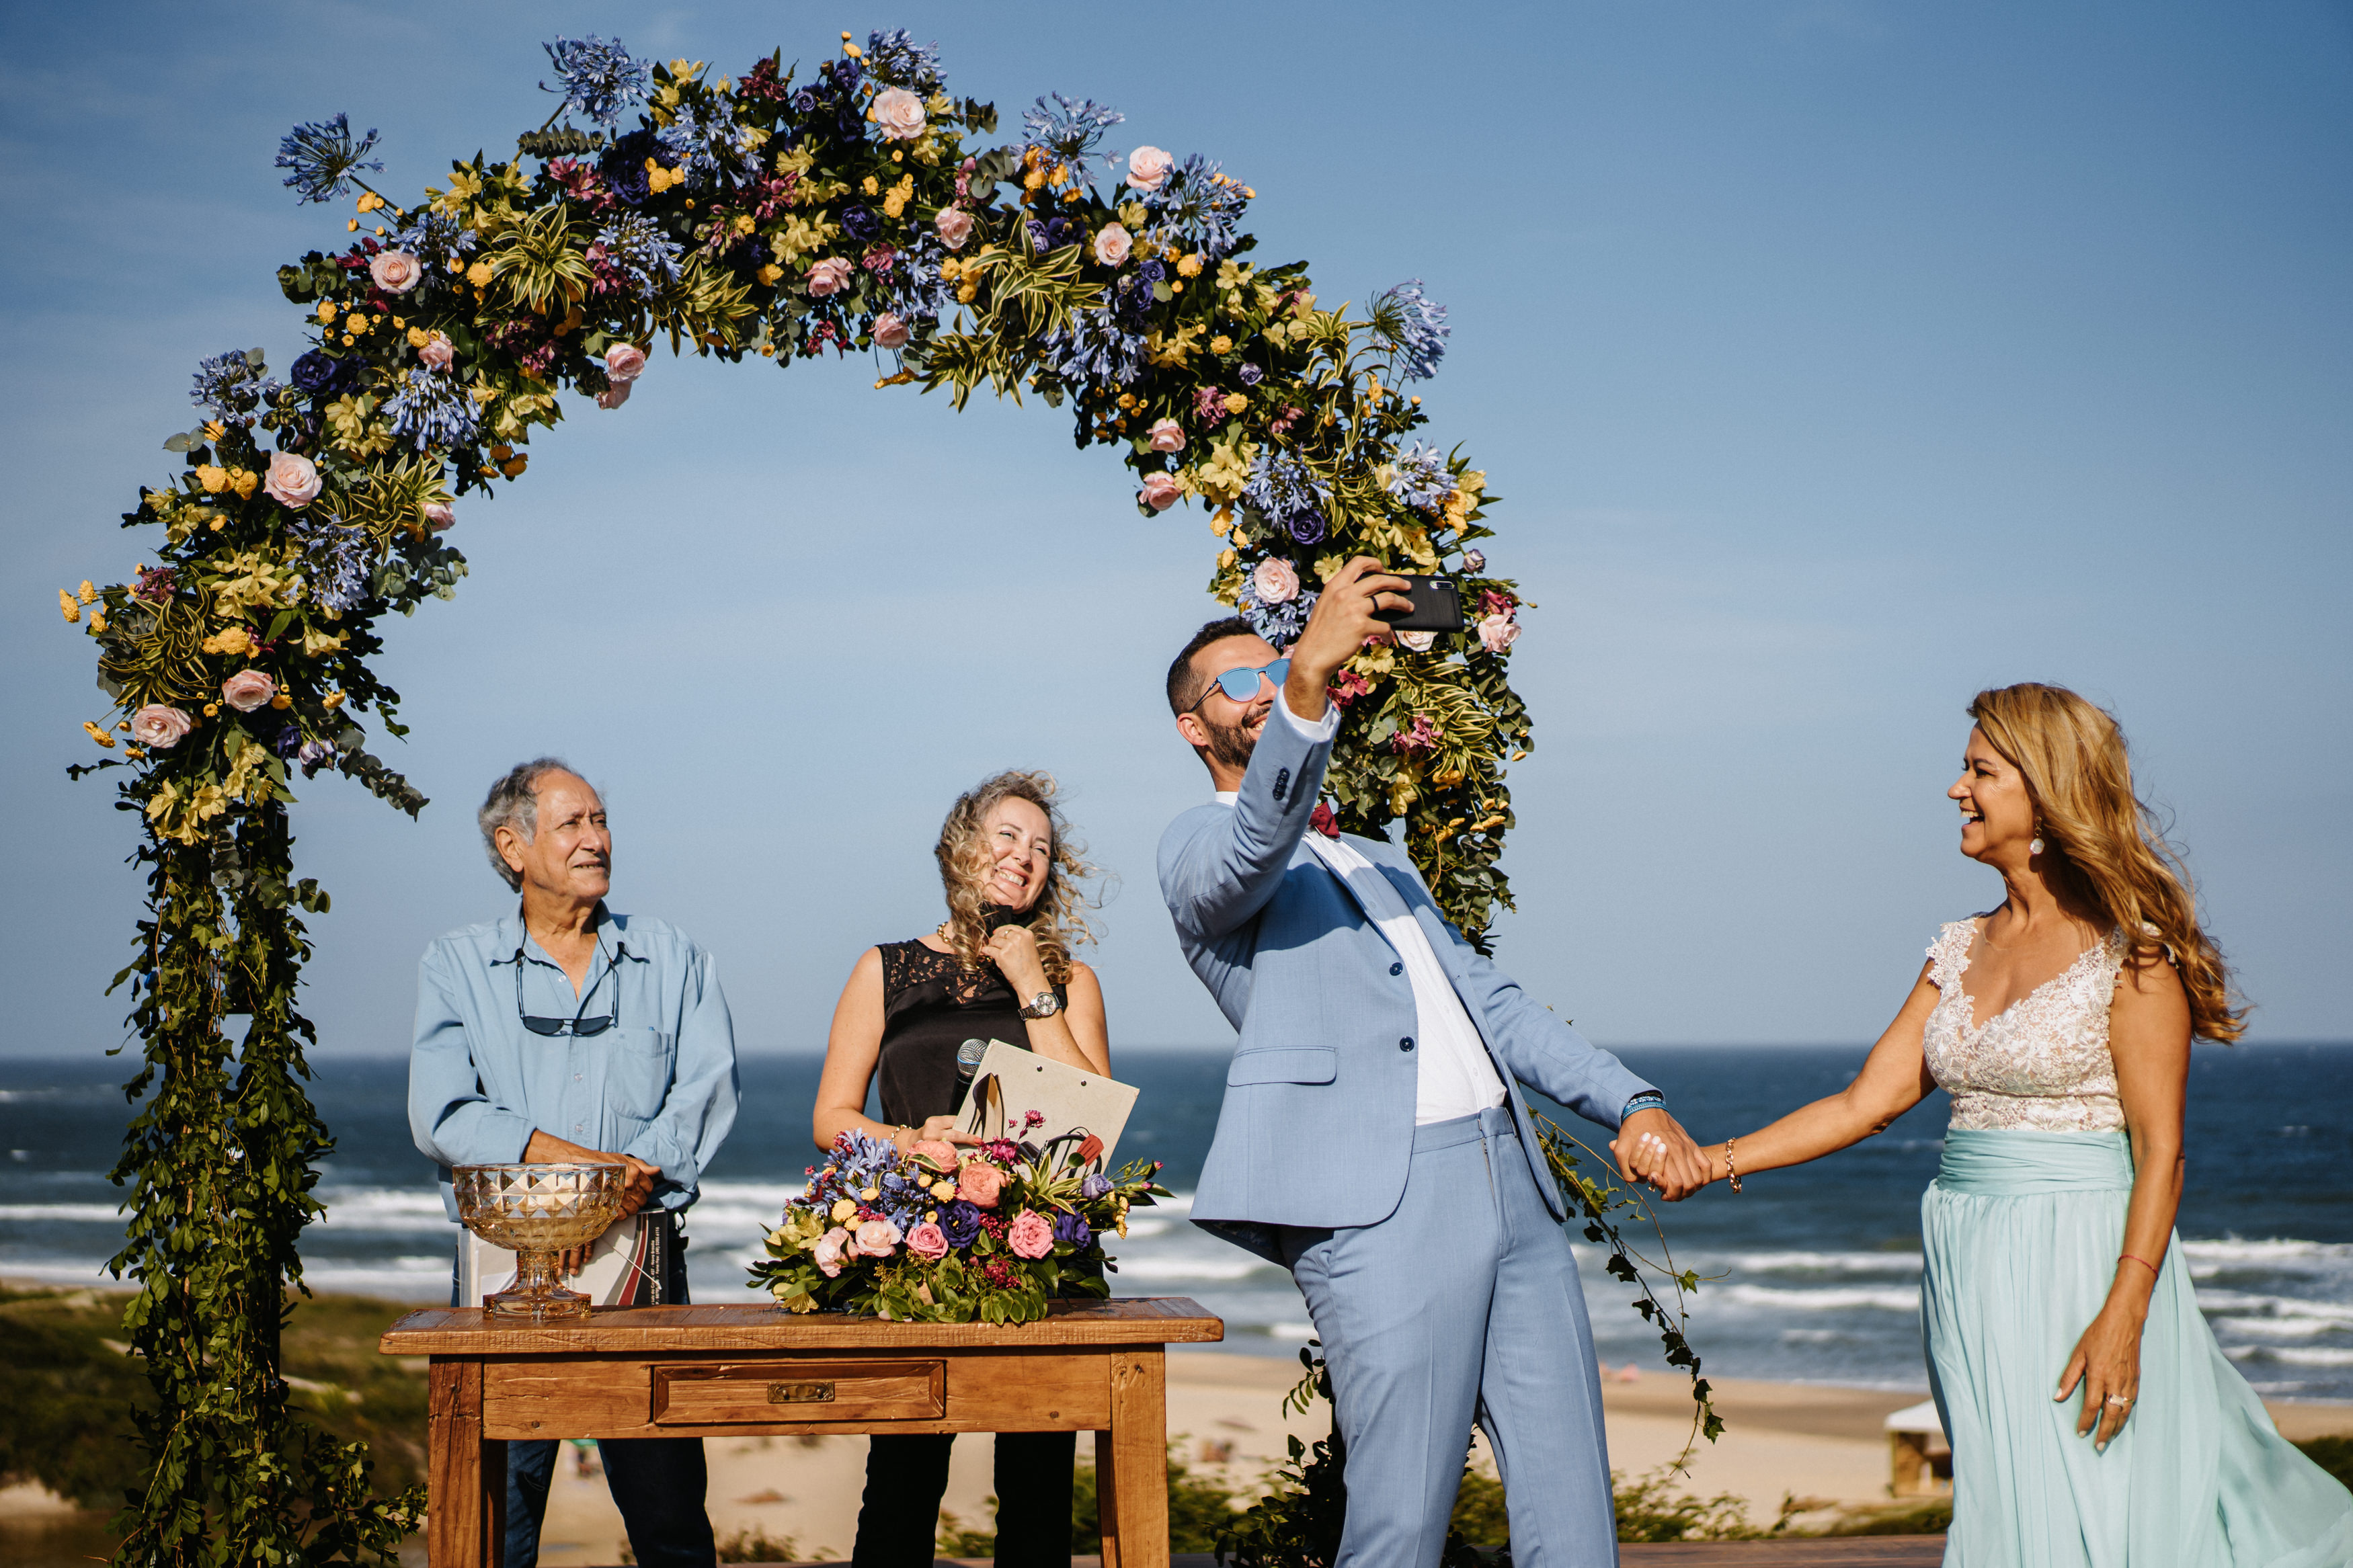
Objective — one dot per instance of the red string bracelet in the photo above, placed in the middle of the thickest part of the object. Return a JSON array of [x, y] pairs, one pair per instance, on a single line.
[[2144, 1262]]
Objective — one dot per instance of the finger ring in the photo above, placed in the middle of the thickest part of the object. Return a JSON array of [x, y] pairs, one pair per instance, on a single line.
[[2117, 1399]]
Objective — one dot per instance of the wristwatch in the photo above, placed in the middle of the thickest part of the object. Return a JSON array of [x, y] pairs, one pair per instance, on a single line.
[[1044, 1005]]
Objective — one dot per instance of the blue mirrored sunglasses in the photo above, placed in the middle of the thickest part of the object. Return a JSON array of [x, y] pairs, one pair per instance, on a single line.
[[1242, 684]]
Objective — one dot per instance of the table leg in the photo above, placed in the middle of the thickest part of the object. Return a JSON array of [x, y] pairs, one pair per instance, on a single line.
[[1132, 1488], [461, 1517]]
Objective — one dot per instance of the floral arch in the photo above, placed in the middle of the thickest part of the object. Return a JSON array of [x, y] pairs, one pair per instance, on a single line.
[[744, 218]]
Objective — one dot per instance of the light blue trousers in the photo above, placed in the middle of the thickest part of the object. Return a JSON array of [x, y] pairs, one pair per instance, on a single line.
[[1464, 1304]]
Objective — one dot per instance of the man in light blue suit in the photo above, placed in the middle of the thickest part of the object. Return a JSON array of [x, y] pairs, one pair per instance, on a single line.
[[1373, 1139]]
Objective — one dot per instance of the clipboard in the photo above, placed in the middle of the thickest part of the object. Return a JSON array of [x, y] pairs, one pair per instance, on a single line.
[[1077, 1106], [626, 1265]]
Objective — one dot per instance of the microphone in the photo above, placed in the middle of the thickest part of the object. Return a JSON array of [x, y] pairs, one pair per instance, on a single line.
[[969, 1057]]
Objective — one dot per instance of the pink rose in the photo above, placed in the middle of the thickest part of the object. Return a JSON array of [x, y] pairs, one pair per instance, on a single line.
[[934, 1153], [830, 276], [889, 332], [876, 1237], [954, 225], [1160, 491], [623, 363], [160, 728], [614, 395], [1167, 436], [1114, 245], [978, 1183], [927, 1240], [828, 1251], [440, 515], [1031, 1236], [437, 352], [1417, 642], [293, 482], [1474, 561], [396, 272], [247, 690], [1275, 582], [1148, 167], [899, 112], [1498, 632]]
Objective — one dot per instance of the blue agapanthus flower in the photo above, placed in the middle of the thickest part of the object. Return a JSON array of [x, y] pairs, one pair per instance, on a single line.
[[436, 239], [1279, 623], [599, 78], [1093, 350], [335, 561], [227, 385], [704, 144], [1286, 492], [431, 410], [913, 287], [1198, 208], [1413, 327], [896, 58], [323, 158], [1069, 127], [643, 253], [1420, 478]]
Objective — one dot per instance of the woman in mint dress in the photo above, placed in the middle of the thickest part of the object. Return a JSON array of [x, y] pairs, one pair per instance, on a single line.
[[2093, 1420]]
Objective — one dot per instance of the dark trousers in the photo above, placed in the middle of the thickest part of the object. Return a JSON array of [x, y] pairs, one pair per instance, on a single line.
[[657, 1483], [898, 1521]]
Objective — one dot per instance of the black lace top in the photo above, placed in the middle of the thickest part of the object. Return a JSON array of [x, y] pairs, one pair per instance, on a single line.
[[930, 1006]]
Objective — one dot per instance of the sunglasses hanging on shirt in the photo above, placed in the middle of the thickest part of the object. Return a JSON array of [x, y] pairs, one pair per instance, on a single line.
[[575, 1026]]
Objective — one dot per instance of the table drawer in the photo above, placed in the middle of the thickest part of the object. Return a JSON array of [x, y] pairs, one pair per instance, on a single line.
[[768, 1391]]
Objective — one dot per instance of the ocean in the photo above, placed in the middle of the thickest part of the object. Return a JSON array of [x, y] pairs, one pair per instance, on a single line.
[[1812, 1274]]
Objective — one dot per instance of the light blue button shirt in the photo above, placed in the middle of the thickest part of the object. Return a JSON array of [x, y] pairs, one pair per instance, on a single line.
[[659, 1085]]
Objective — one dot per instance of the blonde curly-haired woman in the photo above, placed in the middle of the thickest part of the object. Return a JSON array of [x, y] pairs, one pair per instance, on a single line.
[[998, 967], [2093, 1420]]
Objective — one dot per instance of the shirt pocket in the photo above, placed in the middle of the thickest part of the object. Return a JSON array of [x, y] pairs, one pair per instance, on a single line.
[[1285, 1064], [638, 1072]]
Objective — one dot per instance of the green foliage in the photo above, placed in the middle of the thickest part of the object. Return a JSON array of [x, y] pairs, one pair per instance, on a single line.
[[753, 1543], [1648, 1508], [1201, 1509], [67, 1398]]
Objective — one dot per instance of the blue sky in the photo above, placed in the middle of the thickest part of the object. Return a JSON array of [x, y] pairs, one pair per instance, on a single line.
[[1834, 360]]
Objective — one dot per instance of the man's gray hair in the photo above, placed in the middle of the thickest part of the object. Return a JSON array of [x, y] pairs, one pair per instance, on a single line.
[[514, 803]]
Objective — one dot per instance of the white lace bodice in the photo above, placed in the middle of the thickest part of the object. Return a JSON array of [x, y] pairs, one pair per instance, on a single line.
[[2043, 1063]]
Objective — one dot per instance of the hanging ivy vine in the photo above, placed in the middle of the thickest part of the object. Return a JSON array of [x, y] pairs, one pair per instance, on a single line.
[[862, 209]]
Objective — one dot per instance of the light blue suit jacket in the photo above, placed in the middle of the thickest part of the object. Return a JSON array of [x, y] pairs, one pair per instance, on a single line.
[[1317, 1125]]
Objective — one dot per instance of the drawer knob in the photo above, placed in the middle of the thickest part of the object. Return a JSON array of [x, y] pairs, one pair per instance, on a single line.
[[801, 1394]]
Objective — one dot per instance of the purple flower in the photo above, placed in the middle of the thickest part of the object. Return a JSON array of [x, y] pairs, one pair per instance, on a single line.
[[1094, 1187], [860, 224], [319, 374], [1250, 375], [1073, 1231], [960, 1223]]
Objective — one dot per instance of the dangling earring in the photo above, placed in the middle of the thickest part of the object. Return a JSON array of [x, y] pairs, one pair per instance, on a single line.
[[2034, 845]]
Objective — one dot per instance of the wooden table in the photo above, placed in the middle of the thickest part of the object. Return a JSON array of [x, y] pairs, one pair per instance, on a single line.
[[759, 1371]]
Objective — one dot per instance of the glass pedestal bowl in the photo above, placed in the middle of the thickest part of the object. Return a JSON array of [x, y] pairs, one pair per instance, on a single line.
[[536, 1212]]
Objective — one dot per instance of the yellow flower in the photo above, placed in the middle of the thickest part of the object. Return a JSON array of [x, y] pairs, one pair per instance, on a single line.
[[1236, 403], [352, 226], [743, 223], [332, 700], [315, 643], [769, 274], [843, 1208], [236, 641], [1033, 179], [869, 184], [214, 430], [97, 620], [213, 476], [357, 322], [480, 274], [281, 701], [513, 466], [1221, 344], [1189, 267], [895, 204], [95, 733], [1226, 559], [418, 337], [326, 309], [243, 481], [212, 710]]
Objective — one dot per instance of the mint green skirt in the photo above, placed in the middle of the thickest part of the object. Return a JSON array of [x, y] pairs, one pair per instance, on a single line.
[[2021, 1233]]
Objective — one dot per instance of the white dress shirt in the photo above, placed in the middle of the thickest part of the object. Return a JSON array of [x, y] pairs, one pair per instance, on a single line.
[[1453, 1074]]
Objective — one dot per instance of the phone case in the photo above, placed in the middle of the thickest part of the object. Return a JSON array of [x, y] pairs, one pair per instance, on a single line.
[[1437, 606]]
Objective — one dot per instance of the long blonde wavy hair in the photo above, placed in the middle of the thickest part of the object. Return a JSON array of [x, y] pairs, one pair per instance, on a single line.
[[1057, 920], [2107, 842]]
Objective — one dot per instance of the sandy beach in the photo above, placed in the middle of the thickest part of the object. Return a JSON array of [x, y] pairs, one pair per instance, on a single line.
[[1824, 1446]]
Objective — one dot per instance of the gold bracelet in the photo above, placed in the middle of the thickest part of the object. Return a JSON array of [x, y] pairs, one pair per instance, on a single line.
[[1728, 1171]]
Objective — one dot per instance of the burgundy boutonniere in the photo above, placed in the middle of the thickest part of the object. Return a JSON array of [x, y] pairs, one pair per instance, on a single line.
[[1321, 820]]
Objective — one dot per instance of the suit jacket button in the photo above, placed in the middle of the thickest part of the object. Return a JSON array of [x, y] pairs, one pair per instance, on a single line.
[[1406, 1044], [1397, 969]]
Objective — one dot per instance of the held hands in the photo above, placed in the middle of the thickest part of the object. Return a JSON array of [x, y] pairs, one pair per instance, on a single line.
[[1652, 1148], [1015, 952], [1337, 627], [2107, 1361]]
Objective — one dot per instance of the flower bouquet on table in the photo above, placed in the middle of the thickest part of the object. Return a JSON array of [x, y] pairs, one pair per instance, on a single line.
[[988, 1233]]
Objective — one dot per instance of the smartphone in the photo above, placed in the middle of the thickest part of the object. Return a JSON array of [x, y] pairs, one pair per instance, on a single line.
[[1437, 606]]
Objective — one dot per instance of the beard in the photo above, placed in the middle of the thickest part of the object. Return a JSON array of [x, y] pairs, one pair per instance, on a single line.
[[1230, 744]]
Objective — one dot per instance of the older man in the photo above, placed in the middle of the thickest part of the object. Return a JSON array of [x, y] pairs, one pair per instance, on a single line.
[[567, 1032]]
